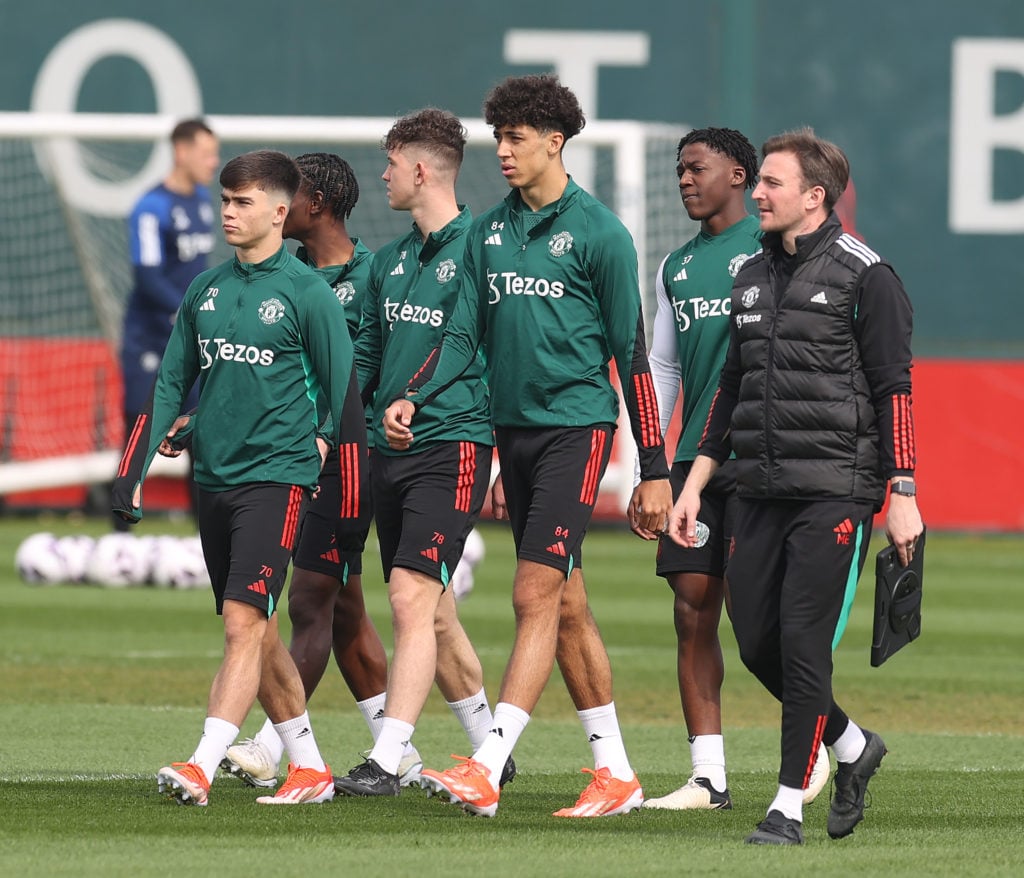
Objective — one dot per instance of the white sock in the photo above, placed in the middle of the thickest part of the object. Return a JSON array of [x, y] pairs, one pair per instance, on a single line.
[[707, 754], [850, 744], [372, 710], [270, 739], [218, 735], [508, 725], [391, 743], [475, 715], [790, 801], [300, 742], [601, 726]]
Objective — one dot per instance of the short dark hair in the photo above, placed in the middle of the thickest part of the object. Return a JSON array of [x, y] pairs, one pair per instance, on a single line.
[[437, 131], [266, 169], [728, 142], [331, 174], [538, 100], [187, 129], [822, 163]]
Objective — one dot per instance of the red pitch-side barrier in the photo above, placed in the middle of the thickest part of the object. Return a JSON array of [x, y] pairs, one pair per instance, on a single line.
[[64, 396]]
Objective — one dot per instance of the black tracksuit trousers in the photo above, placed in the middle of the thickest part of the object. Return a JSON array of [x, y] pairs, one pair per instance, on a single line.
[[792, 576]]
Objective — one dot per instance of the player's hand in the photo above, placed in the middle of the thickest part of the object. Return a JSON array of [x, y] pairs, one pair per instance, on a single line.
[[166, 448], [136, 503], [323, 448], [649, 507], [498, 507], [903, 526], [633, 516], [682, 521], [396, 420]]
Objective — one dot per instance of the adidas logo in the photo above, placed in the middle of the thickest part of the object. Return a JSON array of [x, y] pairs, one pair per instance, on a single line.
[[557, 549], [592, 738], [430, 553], [207, 306], [497, 731], [379, 714], [494, 240], [305, 731], [397, 270], [843, 530], [681, 275], [332, 556], [259, 586], [819, 298], [482, 706]]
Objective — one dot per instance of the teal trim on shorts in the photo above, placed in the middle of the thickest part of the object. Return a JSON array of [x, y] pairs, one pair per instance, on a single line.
[[270, 605], [445, 577], [344, 575], [851, 588]]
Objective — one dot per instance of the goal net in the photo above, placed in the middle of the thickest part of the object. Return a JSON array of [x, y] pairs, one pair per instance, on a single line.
[[69, 182]]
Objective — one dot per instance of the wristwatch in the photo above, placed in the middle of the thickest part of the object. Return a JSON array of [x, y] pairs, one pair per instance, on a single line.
[[903, 487]]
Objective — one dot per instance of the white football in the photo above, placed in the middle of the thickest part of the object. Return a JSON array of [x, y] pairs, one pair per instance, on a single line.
[[194, 563], [167, 567], [38, 561], [119, 560], [472, 554], [475, 549], [75, 552]]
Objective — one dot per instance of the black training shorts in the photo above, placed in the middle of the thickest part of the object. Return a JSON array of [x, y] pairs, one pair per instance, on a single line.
[[248, 534], [426, 504]]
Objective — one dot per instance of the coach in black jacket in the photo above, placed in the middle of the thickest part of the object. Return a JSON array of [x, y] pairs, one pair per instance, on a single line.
[[815, 400]]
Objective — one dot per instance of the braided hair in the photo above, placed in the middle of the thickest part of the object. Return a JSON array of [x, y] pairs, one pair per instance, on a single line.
[[333, 176], [728, 142]]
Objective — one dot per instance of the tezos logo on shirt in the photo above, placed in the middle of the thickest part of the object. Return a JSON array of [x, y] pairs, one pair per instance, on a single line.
[[271, 310], [232, 352], [560, 244]]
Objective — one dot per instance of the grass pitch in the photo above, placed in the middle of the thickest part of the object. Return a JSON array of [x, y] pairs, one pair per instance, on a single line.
[[101, 687]]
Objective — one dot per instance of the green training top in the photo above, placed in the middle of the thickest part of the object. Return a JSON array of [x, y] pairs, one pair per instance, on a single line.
[[697, 279], [348, 281], [265, 340], [553, 295], [412, 290]]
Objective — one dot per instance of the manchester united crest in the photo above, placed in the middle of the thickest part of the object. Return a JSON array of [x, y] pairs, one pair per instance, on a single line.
[[736, 263], [749, 296], [271, 311], [560, 244], [445, 271], [345, 292]]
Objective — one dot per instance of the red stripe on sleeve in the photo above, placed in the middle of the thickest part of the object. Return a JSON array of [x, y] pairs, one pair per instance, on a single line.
[[647, 407], [348, 465], [129, 450], [707, 423], [904, 451]]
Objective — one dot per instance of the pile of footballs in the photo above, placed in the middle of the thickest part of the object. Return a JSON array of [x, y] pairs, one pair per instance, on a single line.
[[115, 560]]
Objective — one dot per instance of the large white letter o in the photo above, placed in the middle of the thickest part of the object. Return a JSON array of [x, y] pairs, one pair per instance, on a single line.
[[57, 88]]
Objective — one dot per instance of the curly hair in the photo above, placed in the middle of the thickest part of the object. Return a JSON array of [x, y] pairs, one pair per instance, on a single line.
[[438, 132], [538, 100], [331, 174], [728, 142], [822, 163]]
